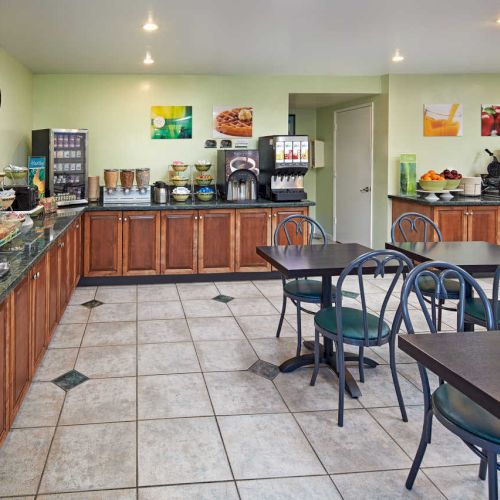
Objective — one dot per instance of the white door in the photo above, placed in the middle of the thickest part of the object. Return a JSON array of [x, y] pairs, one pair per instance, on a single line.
[[353, 143]]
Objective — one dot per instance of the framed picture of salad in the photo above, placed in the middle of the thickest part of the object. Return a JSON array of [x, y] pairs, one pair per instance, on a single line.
[[490, 120], [443, 120]]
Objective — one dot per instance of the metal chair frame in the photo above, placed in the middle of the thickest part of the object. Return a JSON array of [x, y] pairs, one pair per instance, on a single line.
[[494, 303], [484, 449], [381, 259]]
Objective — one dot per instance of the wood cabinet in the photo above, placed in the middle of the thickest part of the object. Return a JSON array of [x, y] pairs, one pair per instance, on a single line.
[[54, 289], [103, 244], [39, 277], [253, 229], [4, 372], [179, 242], [141, 243], [482, 224], [77, 244], [296, 238], [452, 222], [65, 270], [216, 241]]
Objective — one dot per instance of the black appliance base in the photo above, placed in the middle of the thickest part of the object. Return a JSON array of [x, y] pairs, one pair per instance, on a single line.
[[297, 195]]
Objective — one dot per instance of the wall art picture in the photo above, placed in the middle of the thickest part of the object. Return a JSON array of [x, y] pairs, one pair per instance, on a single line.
[[171, 122], [233, 122], [490, 120], [443, 120]]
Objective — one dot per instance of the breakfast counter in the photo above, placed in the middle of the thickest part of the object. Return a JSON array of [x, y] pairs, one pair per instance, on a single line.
[[487, 200]]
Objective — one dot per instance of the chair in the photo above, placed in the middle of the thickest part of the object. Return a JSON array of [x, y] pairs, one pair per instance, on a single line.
[[478, 428], [411, 220], [474, 310], [358, 327], [303, 289]]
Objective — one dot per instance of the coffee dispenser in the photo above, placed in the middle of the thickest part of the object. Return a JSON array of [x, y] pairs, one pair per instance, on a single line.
[[238, 174], [284, 160]]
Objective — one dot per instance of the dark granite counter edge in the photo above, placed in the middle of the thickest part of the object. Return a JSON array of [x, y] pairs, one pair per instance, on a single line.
[[456, 201]]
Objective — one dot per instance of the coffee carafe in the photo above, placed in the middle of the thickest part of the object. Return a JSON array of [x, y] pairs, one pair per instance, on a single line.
[[238, 174]]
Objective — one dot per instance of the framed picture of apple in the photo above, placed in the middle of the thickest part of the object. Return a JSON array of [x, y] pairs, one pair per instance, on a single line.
[[490, 120]]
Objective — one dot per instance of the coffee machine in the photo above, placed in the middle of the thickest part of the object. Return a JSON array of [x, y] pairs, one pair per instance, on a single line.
[[491, 180], [238, 174], [284, 160]]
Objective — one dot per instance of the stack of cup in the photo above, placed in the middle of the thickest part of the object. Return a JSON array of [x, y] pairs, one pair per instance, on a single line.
[[94, 188]]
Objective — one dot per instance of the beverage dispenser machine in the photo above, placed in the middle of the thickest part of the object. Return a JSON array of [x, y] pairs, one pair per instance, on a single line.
[[284, 160], [238, 174]]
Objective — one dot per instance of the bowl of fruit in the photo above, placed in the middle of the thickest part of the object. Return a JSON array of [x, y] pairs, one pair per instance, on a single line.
[[179, 166], [205, 194], [204, 180], [202, 165], [452, 177], [179, 180], [432, 181]]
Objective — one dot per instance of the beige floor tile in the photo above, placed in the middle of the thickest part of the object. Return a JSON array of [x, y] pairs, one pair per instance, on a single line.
[[275, 350], [115, 333], [364, 445], [159, 310], [82, 294], [184, 450], [238, 290], [310, 488], [173, 357], [22, 457], [55, 362], [201, 491], [194, 291], [113, 312], [117, 294], [163, 330], [41, 406], [102, 400], [75, 314], [173, 396], [259, 327], [225, 328], [270, 288], [234, 393], [95, 456], [129, 494], [384, 484], [157, 293], [107, 361], [69, 335], [205, 308], [251, 307], [225, 355], [257, 444]]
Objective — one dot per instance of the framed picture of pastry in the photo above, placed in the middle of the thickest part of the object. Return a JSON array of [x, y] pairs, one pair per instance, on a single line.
[[171, 122], [233, 121]]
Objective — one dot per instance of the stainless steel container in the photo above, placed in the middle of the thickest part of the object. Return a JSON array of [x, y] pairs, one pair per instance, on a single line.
[[160, 192]]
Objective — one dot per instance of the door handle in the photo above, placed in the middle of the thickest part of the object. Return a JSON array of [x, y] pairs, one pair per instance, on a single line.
[[366, 189]]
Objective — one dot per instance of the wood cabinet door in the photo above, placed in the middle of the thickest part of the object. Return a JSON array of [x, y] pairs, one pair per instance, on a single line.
[[400, 207], [278, 214], [65, 273], [54, 289], [102, 250], [39, 277], [253, 229], [20, 357], [77, 243], [452, 222], [482, 224], [4, 379], [216, 241], [179, 242], [141, 243]]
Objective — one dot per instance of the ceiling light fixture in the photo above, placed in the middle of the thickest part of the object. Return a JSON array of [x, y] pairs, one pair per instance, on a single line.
[[498, 20], [397, 57], [150, 25], [148, 59]]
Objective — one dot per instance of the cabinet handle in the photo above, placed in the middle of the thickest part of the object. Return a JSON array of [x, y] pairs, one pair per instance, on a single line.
[[125, 219], [195, 217], [78, 226], [36, 276], [201, 217], [119, 218], [269, 215], [61, 245], [274, 215], [471, 213]]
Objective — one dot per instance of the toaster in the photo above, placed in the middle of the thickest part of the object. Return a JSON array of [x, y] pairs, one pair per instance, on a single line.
[[27, 198]]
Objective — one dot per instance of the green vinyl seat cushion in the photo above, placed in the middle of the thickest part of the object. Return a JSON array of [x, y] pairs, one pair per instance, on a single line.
[[305, 289], [352, 323], [464, 413], [428, 285], [474, 307]]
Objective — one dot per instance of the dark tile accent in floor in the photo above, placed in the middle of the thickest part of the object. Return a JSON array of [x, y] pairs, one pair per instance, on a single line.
[[92, 303], [223, 298], [70, 379], [265, 369]]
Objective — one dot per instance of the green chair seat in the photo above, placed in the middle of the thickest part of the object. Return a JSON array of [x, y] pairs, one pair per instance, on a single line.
[[428, 285], [305, 290], [464, 413], [474, 307], [352, 323]]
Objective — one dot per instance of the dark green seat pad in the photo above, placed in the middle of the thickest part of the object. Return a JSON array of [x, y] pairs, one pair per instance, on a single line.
[[305, 289], [474, 307], [466, 414], [352, 323], [428, 285]]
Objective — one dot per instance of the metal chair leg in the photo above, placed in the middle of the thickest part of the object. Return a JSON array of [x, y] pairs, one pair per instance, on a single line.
[[492, 476], [417, 461], [316, 357], [361, 364], [341, 374], [392, 363], [282, 317], [299, 329], [440, 314], [483, 466]]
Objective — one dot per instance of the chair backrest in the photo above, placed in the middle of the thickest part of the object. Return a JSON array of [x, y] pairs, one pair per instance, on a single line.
[[302, 226], [412, 220], [376, 263], [496, 285], [438, 272]]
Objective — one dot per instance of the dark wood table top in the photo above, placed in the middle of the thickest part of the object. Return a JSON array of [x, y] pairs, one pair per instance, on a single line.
[[469, 361], [473, 256], [295, 261]]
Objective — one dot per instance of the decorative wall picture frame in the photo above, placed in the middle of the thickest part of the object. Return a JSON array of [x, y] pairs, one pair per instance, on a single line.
[[171, 122], [231, 122], [443, 120], [490, 120]]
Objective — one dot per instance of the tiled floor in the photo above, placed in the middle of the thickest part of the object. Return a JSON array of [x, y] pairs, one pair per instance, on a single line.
[[172, 411]]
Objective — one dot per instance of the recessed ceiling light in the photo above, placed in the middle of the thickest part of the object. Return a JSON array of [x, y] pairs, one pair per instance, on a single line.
[[150, 25], [397, 57], [498, 20], [148, 59]]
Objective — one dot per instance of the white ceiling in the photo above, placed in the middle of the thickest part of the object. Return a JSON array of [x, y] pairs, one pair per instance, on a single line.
[[297, 37], [314, 101]]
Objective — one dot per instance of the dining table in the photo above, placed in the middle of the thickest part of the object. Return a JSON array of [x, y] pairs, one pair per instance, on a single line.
[[469, 363], [325, 261]]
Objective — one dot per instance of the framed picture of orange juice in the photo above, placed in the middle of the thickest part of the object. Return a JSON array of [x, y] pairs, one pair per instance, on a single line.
[[443, 120]]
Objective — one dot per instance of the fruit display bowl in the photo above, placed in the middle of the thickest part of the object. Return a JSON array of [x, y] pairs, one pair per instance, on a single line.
[[202, 167], [205, 196], [180, 181], [180, 197], [178, 167], [432, 185], [452, 183], [204, 181], [7, 201]]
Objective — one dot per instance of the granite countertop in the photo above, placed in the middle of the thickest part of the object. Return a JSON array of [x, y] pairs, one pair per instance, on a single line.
[[24, 251], [197, 205], [455, 201]]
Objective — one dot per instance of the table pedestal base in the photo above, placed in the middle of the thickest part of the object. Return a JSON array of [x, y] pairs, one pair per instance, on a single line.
[[351, 385]]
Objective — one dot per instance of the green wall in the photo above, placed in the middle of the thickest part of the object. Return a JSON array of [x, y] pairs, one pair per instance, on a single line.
[[15, 112]]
